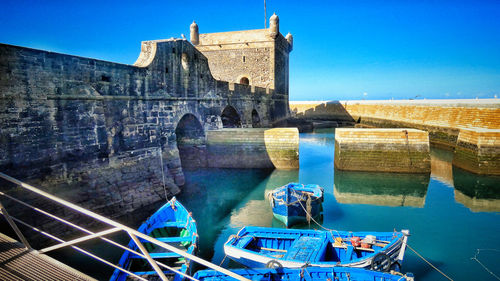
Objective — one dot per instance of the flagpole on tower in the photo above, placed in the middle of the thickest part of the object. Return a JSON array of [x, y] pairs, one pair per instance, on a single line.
[[265, 15]]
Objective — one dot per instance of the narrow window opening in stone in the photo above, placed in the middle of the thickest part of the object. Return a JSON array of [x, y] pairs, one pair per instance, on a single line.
[[244, 81], [201, 75], [166, 69], [244, 58], [195, 56], [105, 78], [173, 50]]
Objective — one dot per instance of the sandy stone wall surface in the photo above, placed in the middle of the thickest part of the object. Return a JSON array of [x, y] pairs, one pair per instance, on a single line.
[[382, 150], [470, 127], [253, 148]]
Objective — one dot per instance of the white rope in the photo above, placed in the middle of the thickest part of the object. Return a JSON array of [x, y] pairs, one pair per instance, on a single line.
[[480, 263], [163, 173], [420, 256]]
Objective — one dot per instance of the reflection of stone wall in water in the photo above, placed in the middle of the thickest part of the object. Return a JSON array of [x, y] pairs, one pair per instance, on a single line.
[[257, 210], [476, 192], [380, 189], [441, 166]]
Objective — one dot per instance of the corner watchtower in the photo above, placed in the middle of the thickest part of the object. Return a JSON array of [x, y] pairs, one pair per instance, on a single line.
[[256, 57]]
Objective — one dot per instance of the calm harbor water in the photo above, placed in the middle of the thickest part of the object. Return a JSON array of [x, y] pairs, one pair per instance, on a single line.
[[450, 214]]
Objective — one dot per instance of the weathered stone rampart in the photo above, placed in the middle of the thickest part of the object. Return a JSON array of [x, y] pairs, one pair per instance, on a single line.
[[253, 148], [111, 130], [382, 150]]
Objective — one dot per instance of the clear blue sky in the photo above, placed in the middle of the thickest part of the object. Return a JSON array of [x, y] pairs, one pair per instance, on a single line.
[[342, 49]]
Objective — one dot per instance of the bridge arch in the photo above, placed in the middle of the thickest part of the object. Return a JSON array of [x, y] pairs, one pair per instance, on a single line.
[[230, 118], [255, 119], [191, 142]]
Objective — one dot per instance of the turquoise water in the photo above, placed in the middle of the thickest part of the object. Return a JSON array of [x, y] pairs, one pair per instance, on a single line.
[[450, 214], [447, 225]]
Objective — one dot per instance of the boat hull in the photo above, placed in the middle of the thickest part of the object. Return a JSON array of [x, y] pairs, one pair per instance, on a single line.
[[292, 203], [309, 274], [255, 247], [171, 224]]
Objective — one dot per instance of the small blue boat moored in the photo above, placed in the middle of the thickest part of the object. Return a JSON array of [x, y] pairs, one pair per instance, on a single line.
[[291, 201], [171, 224], [258, 247], [305, 274]]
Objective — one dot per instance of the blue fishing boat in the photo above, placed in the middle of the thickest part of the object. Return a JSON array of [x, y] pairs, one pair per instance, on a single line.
[[295, 202], [305, 274], [171, 224], [259, 247]]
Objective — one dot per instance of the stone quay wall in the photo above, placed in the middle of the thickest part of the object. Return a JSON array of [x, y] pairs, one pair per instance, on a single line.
[[478, 151], [382, 150], [253, 148], [445, 120], [103, 134]]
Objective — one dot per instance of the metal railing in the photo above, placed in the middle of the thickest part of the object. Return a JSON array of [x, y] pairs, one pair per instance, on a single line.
[[116, 227]]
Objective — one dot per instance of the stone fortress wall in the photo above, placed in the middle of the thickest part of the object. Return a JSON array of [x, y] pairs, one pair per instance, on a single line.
[[113, 137], [470, 127]]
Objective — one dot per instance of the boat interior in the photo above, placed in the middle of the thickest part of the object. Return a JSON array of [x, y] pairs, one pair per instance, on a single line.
[[309, 248]]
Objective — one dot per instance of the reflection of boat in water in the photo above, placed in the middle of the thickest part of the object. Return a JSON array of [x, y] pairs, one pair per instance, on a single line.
[[380, 188], [477, 192]]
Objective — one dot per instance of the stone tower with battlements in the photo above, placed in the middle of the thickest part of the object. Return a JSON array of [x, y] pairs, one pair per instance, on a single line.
[[254, 57]]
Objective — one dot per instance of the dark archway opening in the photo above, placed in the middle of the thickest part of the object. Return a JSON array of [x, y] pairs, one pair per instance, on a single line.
[[244, 81], [230, 118], [191, 142], [255, 119]]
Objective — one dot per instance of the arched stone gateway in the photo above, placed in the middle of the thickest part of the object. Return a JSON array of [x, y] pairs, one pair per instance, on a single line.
[[255, 119], [191, 142], [230, 118]]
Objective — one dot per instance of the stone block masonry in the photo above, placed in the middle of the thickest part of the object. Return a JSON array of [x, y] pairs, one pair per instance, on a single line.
[[474, 122], [253, 148], [478, 151], [110, 136], [382, 150]]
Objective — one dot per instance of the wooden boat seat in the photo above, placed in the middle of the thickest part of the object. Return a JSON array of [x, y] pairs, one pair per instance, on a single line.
[[244, 241], [179, 224], [174, 239], [303, 248]]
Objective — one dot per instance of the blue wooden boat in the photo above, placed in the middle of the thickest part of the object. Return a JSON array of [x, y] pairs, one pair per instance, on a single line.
[[171, 224], [291, 201], [258, 247], [305, 274]]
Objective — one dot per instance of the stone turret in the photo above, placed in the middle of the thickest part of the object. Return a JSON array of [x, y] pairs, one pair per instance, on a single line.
[[289, 38], [195, 35], [274, 26]]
